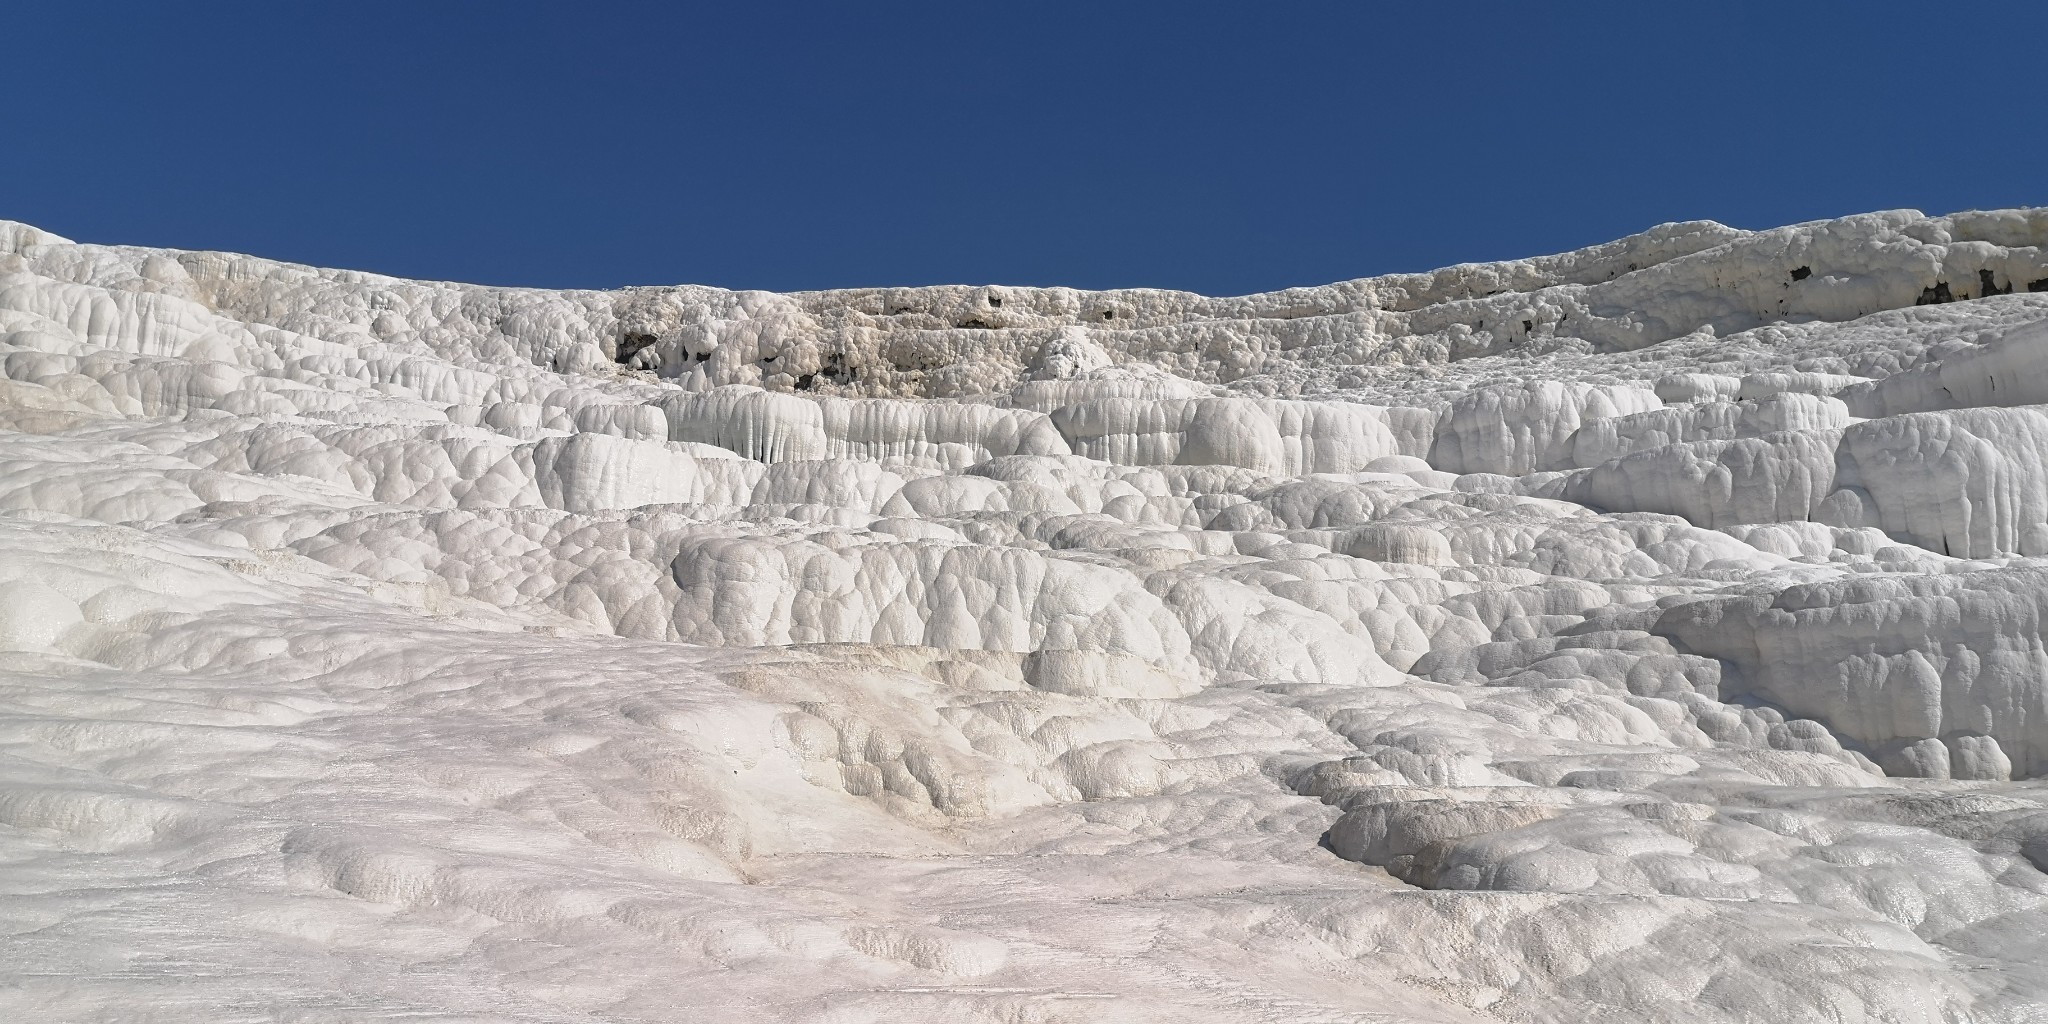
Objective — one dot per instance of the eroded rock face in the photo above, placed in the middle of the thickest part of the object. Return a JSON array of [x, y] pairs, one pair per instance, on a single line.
[[1647, 633]]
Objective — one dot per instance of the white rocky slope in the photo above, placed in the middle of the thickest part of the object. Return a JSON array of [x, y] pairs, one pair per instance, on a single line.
[[1653, 632]]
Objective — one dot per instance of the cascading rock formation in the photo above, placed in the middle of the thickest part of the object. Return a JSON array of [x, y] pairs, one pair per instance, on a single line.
[[1653, 632]]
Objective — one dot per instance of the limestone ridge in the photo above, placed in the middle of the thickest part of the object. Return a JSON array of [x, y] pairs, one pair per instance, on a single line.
[[1652, 632]]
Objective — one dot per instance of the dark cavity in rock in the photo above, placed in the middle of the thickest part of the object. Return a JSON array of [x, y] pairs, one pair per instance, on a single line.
[[631, 345]]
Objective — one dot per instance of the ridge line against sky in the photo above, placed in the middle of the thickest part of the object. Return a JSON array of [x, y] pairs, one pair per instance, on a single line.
[[1202, 147]]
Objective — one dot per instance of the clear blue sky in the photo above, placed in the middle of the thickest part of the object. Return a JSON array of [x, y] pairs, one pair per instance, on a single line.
[[1218, 147]]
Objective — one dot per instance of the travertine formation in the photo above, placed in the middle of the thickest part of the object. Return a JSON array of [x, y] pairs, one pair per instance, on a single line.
[[1653, 632]]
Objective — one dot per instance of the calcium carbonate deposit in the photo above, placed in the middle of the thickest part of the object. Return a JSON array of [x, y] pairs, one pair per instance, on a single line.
[[1653, 632]]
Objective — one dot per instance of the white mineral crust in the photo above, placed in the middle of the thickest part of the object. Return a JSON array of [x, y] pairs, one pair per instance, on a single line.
[[1653, 632]]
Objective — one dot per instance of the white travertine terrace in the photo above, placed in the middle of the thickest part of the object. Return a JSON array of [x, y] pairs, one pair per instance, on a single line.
[[1653, 632]]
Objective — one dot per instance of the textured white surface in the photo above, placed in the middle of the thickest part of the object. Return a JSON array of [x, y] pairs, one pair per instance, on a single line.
[[1647, 633]]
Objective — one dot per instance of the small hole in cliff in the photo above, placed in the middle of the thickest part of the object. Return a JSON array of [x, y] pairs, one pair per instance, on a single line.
[[1801, 273], [995, 301], [1990, 285], [805, 382], [631, 345], [2038, 286], [1109, 314], [836, 369], [974, 323], [1935, 295]]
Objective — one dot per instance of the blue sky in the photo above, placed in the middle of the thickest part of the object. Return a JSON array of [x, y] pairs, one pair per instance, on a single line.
[[1216, 147]]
